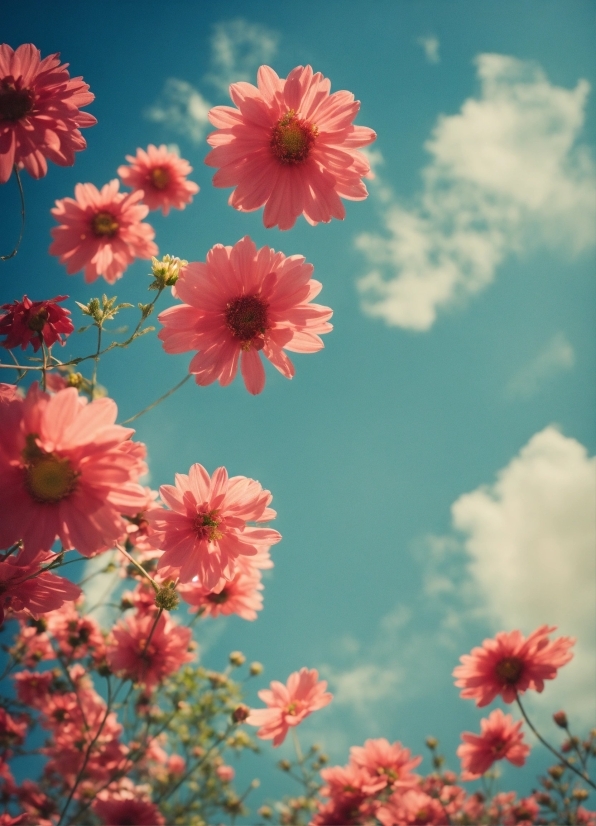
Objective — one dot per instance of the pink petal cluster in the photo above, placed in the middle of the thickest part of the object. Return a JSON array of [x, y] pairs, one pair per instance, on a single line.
[[509, 664], [161, 176], [22, 586], [288, 705], [240, 595], [242, 302], [384, 763], [290, 146], [101, 231], [67, 472], [206, 530], [500, 739], [127, 806], [76, 636], [145, 660], [40, 113], [31, 322]]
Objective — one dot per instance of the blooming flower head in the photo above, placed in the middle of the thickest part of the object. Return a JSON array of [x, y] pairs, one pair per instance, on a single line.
[[22, 587], [288, 705], [32, 322], [241, 595], [126, 806], [385, 763], [500, 739], [76, 636], [509, 664], [148, 660], [39, 111], [239, 303], [206, 529], [101, 231], [161, 175], [67, 472], [290, 146]]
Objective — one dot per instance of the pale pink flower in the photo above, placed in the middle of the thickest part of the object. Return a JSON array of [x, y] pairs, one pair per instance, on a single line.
[[32, 644], [33, 687], [101, 231], [40, 113], [500, 739], [240, 302], [23, 587], [148, 661], [288, 705], [161, 175], [76, 636], [411, 807], [386, 764], [225, 773], [240, 595], [291, 146], [509, 664], [207, 530], [67, 472]]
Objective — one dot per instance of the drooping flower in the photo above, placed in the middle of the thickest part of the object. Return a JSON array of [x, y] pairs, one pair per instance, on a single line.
[[206, 530], [67, 472], [500, 739], [148, 660], [241, 302], [40, 113], [161, 175], [101, 231], [23, 587], [509, 664], [32, 322], [290, 146], [288, 705], [241, 595]]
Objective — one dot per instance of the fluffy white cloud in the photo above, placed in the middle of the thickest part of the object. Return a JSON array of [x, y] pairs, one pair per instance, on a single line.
[[181, 108], [531, 541], [506, 173], [556, 356], [430, 44], [238, 48]]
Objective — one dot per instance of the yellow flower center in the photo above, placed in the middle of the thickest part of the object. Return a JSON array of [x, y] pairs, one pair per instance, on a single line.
[[159, 177], [292, 138], [50, 479], [104, 224], [206, 526]]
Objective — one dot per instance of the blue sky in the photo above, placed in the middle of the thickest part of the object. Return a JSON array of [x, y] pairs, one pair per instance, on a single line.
[[431, 466]]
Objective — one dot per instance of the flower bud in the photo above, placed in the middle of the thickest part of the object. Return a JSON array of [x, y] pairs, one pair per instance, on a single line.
[[266, 812], [237, 659], [240, 714], [579, 794], [556, 772], [255, 669], [560, 719], [285, 765], [432, 742], [167, 598]]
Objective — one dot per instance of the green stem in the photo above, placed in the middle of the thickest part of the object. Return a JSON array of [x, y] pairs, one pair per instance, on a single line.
[[158, 401]]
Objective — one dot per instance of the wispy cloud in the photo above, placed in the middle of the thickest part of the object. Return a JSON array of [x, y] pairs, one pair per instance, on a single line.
[[556, 356], [182, 109], [506, 173], [238, 48], [430, 44]]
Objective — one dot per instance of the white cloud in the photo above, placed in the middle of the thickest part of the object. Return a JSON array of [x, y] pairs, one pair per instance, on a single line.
[[181, 108], [556, 356], [507, 173], [531, 540], [430, 44], [238, 48]]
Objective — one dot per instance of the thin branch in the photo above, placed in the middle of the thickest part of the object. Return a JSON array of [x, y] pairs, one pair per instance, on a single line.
[[22, 194], [158, 401]]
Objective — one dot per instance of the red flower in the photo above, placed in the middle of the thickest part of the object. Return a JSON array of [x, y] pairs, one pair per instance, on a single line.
[[162, 177], [32, 322], [500, 739]]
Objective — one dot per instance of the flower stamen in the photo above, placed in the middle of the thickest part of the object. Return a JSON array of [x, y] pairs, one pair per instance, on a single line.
[[292, 138], [104, 224]]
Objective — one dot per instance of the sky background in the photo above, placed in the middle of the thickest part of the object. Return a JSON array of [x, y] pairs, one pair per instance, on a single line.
[[431, 466]]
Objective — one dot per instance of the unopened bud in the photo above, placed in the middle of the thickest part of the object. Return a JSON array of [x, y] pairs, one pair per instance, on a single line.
[[237, 659], [556, 772], [265, 812], [240, 714], [254, 784], [285, 765], [579, 794], [560, 719], [167, 598], [167, 271], [255, 669], [432, 742]]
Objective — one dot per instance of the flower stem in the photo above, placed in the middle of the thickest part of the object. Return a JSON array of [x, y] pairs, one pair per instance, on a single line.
[[22, 194], [139, 567], [158, 401]]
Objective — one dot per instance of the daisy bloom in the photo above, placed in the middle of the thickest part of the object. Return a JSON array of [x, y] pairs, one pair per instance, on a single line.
[[288, 705], [161, 175], [241, 595], [126, 806], [101, 231], [239, 303], [500, 739], [31, 322], [206, 530], [385, 763], [509, 664], [39, 111], [23, 587], [290, 146], [67, 472]]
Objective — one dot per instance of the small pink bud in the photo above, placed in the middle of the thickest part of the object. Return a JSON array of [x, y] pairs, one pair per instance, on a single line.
[[560, 719]]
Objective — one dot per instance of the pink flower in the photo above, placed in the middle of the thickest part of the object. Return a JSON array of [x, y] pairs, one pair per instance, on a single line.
[[149, 661], [77, 636], [238, 303], [500, 739], [225, 773], [67, 471], [127, 808], [33, 687], [32, 322], [240, 595], [412, 807], [23, 587], [288, 705], [290, 146], [161, 175], [206, 530], [101, 231], [510, 664], [386, 763], [39, 111]]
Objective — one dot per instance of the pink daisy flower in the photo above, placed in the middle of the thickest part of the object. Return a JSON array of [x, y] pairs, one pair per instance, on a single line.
[[32, 322], [67, 472], [161, 175], [288, 705], [22, 587], [386, 763], [241, 595], [127, 807], [39, 111], [509, 664], [149, 663], [206, 530], [291, 146], [101, 231], [241, 302], [500, 739]]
